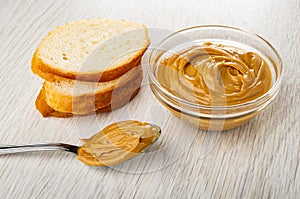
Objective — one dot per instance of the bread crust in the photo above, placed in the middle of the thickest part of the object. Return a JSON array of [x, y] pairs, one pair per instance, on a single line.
[[89, 102]]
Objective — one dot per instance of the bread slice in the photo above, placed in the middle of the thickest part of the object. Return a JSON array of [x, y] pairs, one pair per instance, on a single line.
[[91, 50], [118, 102], [51, 77], [78, 97]]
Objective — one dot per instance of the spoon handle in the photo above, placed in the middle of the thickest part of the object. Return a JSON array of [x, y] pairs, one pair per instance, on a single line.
[[38, 147]]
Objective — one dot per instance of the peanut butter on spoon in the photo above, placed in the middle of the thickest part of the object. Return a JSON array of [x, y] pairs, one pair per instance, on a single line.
[[117, 143]]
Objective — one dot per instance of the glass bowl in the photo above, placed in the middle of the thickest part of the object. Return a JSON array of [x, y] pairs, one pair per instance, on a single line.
[[212, 117]]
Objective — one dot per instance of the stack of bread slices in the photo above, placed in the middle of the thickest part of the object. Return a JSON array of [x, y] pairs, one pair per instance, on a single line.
[[89, 66]]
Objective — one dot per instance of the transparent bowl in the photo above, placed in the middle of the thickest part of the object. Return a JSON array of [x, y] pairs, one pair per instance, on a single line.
[[213, 117]]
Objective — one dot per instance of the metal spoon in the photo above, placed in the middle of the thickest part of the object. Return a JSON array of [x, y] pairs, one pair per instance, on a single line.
[[38, 147], [52, 146]]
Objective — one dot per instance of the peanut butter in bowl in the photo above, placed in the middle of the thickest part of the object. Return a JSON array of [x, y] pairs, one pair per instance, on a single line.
[[214, 74], [214, 77]]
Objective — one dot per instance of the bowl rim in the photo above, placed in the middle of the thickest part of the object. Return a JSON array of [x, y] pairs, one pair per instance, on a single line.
[[273, 90]]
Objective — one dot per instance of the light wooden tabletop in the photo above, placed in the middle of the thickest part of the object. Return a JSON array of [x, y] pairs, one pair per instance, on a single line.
[[257, 160]]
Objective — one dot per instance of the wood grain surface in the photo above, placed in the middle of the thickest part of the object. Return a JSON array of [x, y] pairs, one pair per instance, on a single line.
[[257, 160]]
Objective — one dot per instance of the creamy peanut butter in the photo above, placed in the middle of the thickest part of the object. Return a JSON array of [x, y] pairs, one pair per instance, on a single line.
[[215, 75], [117, 143]]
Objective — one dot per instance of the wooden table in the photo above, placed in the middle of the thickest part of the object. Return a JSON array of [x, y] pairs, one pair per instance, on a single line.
[[257, 160]]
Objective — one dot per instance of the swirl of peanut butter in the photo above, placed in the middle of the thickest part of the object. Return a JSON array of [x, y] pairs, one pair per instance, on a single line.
[[215, 75], [117, 143]]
